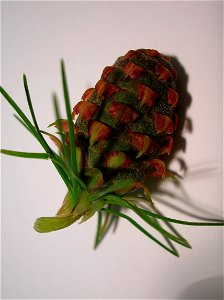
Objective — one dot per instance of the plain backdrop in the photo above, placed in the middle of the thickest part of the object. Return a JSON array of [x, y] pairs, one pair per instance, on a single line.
[[90, 36]]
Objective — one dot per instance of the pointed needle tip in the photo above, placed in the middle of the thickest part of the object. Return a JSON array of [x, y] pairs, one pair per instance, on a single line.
[[62, 63]]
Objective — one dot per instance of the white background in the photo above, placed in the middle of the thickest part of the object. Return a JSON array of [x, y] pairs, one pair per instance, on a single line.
[[89, 36]]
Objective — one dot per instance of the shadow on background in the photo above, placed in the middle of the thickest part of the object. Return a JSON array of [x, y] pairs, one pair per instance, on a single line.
[[209, 288], [180, 144], [184, 103], [184, 122]]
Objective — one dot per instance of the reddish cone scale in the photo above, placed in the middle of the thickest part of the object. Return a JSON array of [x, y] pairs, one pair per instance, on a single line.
[[87, 94], [107, 71], [122, 113], [143, 143], [117, 160], [162, 123], [86, 110], [166, 145], [132, 70], [105, 89], [98, 132], [146, 95], [158, 167], [162, 72], [172, 97]]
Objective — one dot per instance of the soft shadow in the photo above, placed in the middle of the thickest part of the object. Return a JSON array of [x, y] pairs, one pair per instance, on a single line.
[[197, 211], [209, 288], [184, 103], [184, 122], [180, 145]]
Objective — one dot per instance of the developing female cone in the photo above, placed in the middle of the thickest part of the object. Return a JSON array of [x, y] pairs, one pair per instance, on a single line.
[[126, 121], [123, 129]]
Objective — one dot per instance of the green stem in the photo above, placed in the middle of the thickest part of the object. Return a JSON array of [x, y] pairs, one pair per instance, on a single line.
[[215, 223], [33, 130], [119, 214], [172, 220], [121, 184], [58, 118], [68, 171], [23, 123], [118, 200], [29, 101], [99, 223], [25, 154], [71, 129]]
